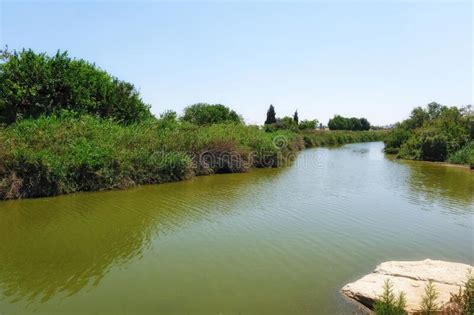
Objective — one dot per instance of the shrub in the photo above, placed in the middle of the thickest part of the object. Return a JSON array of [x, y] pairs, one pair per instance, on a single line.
[[388, 303], [464, 155], [462, 303], [428, 302], [36, 84], [206, 114]]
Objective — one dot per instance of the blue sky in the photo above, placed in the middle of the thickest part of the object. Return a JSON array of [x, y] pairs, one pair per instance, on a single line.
[[376, 59]]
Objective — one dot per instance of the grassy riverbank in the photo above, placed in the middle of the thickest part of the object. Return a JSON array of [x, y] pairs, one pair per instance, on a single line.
[[63, 154]]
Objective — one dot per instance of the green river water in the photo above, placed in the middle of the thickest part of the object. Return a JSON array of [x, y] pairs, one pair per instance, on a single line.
[[273, 241]]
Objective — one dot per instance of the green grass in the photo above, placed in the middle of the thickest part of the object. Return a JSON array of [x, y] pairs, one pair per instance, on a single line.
[[58, 155]]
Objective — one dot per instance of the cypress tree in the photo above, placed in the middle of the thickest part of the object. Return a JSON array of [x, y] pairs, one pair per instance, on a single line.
[[271, 116], [295, 117]]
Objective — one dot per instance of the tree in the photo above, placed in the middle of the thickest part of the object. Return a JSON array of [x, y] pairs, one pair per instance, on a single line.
[[206, 114], [337, 123], [36, 84], [308, 124], [342, 123], [354, 124], [295, 117], [365, 124], [271, 116]]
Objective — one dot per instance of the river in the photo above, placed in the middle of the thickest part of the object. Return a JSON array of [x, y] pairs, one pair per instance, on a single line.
[[271, 241]]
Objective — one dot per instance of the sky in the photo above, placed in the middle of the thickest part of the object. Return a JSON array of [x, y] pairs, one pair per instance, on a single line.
[[373, 59]]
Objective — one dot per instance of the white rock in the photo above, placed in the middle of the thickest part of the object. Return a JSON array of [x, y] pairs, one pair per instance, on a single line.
[[410, 277]]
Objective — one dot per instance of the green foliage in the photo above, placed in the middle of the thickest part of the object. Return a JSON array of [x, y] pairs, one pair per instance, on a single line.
[[388, 303], [395, 139], [286, 123], [428, 302], [354, 124], [206, 114], [308, 124], [271, 116], [432, 134], [36, 84]]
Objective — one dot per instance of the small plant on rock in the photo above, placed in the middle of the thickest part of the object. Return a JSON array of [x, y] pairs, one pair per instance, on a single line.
[[388, 303], [428, 302]]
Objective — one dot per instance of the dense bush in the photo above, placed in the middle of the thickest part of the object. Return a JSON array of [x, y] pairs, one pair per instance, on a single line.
[[435, 133], [36, 84], [343, 123], [206, 114]]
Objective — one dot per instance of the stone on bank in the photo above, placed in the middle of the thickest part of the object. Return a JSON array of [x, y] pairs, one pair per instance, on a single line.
[[410, 277]]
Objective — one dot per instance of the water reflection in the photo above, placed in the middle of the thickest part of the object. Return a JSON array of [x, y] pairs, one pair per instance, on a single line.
[[61, 245]]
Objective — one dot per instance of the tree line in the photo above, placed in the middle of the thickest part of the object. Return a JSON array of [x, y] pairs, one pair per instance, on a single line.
[[290, 123], [35, 84]]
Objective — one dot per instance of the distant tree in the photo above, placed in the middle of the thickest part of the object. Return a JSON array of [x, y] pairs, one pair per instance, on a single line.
[[206, 114], [364, 124], [338, 123], [417, 118], [308, 124], [295, 117], [355, 124], [342, 123], [271, 116]]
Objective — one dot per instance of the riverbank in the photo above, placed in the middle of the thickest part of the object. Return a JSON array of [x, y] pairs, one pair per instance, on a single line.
[[57, 155]]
